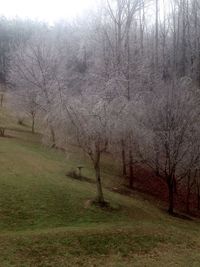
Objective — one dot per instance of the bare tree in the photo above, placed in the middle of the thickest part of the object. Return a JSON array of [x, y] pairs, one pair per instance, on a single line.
[[171, 120], [37, 66], [87, 120]]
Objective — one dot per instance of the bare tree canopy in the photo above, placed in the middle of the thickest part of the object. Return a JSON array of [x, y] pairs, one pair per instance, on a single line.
[[124, 81]]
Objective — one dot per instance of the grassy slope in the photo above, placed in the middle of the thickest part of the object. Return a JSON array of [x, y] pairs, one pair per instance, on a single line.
[[45, 219]]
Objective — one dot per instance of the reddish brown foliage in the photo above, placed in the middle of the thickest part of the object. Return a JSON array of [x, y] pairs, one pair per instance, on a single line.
[[147, 182]]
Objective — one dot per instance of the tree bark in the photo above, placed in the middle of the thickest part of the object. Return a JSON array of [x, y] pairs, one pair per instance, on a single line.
[[156, 37], [2, 99], [2, 132], [100, 197], [188, 196], [198, 197], [175, 186], [131, 169], [188, 201], [124, 172], [171, 195], [183, 48], [157, 159], [53, 136], [33, 124]]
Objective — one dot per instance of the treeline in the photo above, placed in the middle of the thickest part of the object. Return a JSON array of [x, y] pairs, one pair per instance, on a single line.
[[125, 80]]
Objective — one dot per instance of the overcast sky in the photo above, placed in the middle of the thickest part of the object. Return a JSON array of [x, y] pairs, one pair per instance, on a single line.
[[48, 10]]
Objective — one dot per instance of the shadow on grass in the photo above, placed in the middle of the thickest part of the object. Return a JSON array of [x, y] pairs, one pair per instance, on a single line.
[[73, 175]]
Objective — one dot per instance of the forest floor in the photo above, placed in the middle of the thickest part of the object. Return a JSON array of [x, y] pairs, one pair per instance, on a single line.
[[46, 218]]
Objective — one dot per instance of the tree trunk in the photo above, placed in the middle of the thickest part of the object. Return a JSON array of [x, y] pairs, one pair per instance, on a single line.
[[175, 186], [33, 124], [100, 197], [156, 37], [184, 44], [2, 132], [157, 156], [171, 195], [123, 159], [157, 161], [188, 196], [198, 197], [2, 98], [188, 201], [142, 21], [130, 169], [53, 136]]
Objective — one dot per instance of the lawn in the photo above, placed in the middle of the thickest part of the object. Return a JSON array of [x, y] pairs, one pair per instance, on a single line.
[[46, 218]]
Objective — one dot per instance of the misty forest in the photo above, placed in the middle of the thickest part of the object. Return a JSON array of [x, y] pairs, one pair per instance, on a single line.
[[100, 137]]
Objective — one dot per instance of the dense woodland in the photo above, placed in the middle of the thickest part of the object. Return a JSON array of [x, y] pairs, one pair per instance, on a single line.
[[124, 80]]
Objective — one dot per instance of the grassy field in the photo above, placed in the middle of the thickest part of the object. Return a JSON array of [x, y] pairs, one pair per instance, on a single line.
[[46, 218]]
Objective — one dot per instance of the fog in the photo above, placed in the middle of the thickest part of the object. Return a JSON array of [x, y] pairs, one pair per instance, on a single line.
[[45, 10]]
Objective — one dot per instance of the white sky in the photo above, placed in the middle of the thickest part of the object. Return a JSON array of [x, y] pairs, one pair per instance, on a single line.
[[47, 10]]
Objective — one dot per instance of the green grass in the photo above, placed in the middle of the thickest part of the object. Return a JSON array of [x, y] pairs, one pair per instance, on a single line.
[[35, 192], [45, 219]]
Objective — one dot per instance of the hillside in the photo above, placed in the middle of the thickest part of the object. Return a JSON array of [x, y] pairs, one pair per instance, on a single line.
[[46, 218]]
